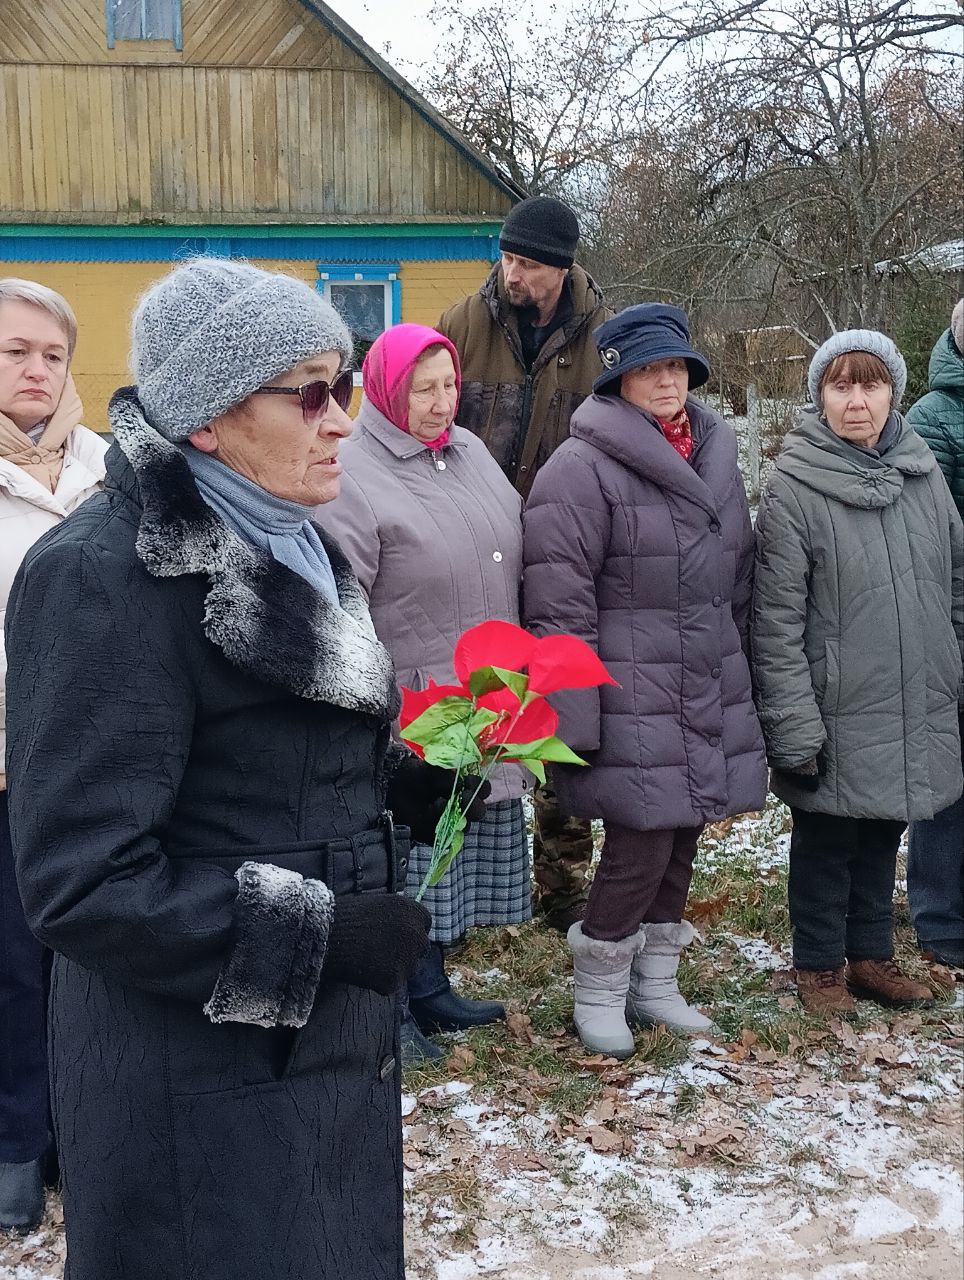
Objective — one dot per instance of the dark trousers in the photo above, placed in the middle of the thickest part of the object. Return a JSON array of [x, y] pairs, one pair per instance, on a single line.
[[24, 1126], [841, 891], [642, 876], [935, 877]]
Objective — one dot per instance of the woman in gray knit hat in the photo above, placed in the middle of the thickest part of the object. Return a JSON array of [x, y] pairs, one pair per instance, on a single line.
[[217, 707], [856, 635]]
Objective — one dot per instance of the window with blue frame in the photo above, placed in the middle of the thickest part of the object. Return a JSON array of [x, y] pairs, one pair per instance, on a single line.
[[368, 297], [144, 20]]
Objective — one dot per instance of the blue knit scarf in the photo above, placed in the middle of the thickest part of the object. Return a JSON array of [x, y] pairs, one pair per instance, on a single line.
[[277, 525]]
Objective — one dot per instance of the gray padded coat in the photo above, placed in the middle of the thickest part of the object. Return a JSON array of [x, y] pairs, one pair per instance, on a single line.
[[857, 597], [649, 559]]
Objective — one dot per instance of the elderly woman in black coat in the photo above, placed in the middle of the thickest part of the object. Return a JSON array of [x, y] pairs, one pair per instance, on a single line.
[[199, 751]]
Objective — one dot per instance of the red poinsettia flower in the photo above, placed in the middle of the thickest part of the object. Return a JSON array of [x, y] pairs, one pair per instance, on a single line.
[[492, 644], [537, 721], [565, 662], [415, 701]]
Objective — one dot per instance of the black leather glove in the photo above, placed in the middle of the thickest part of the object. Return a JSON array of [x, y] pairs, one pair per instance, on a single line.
[[418, 792], [805, 775], [376, 940]]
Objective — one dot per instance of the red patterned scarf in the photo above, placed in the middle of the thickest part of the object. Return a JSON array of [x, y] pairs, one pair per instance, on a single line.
[[679, 433]]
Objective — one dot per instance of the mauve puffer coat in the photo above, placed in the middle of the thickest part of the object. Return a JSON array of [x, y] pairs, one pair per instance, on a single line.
[[649, 559]]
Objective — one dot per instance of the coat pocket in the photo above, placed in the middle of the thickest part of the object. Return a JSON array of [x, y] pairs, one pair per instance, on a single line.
[[830, 698]]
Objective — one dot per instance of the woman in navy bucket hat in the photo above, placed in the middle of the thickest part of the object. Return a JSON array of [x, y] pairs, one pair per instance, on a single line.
[[638, 539]]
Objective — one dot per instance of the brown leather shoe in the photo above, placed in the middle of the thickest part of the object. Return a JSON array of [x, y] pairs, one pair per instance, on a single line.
[[881, 980], [824, 992]]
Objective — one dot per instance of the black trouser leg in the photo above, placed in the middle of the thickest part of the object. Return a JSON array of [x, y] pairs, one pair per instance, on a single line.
[[873, 870], [819, 889], [841, 888]]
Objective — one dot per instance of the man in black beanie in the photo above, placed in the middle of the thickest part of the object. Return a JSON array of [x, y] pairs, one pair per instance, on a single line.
[[528, 361]]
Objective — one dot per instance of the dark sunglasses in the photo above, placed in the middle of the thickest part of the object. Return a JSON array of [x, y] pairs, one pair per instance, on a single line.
[[314, 395]]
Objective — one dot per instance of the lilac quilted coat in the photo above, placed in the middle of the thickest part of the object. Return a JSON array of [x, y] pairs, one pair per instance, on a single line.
[[650, 559]]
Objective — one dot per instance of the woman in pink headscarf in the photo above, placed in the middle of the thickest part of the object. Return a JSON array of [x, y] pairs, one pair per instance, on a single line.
[[434, 533]]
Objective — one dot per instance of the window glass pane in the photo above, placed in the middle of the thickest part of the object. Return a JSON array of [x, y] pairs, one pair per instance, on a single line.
[[159, 19], [144, 19], [362, 306]]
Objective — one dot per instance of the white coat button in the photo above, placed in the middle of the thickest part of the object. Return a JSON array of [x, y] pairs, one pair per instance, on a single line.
[[441, 464], [497, 556]]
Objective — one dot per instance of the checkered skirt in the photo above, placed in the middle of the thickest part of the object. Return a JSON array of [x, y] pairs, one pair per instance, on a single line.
[[488, 883]]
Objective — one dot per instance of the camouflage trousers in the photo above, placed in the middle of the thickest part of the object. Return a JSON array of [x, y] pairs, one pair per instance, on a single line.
[[562, 854]]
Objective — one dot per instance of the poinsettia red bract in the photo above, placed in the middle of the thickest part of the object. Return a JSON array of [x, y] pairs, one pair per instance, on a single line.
[[565, 662], [537, 721], [415, 701], [493, 644]]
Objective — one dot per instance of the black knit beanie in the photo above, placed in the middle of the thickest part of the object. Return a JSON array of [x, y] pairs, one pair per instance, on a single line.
[[542, 229]]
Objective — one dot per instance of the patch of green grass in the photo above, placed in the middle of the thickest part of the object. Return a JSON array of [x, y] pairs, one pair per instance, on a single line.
[[739, 889]]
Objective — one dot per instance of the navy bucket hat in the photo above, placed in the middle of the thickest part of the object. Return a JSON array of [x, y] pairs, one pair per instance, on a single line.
[[642, 334]]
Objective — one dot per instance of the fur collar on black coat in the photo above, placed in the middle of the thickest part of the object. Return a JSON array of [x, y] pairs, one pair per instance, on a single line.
[[268, 621]]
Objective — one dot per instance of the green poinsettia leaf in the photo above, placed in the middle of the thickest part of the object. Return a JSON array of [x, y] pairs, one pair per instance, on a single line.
[[439, 716], [443, 863], [481, 719], [490, 679], [538, 769], [453, 747], [552, 749]]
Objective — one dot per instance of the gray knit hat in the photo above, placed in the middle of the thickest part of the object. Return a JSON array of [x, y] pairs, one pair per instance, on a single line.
[[214, 330], [869, 340], [957, 326]]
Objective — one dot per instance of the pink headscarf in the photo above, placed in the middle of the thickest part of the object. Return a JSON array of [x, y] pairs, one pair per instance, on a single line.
[[387, 371]]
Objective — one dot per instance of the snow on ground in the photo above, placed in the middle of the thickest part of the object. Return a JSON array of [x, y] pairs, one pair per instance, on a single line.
[[840, 1158], [719, 1166]]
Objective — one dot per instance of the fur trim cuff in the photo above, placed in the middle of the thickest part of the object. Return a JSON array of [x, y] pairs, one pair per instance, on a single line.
[[679, 934], [618, 950], [281, 927]]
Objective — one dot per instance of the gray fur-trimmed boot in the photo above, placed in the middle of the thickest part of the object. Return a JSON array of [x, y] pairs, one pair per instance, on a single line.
[[601, 973], [653, 992]]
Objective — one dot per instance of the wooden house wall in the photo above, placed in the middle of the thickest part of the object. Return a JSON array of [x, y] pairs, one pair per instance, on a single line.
[[264, 115]]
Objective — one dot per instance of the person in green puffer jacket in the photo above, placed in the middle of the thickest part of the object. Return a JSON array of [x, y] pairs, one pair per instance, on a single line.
[[935, 863], [939, 416]]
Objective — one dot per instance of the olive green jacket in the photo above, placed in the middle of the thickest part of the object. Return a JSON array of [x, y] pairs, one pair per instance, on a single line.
[[523, 416], [857, 625]]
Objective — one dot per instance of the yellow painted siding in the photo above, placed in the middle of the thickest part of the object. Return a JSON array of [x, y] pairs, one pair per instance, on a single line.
[[428, 288], [103, 295]]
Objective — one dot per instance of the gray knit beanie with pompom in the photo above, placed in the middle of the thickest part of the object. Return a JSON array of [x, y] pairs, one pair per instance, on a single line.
[[213, 330], [869, 340]]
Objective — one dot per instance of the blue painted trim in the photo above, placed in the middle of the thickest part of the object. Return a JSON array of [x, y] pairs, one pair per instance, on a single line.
[[178, 35], [379, 272], [54, 248]]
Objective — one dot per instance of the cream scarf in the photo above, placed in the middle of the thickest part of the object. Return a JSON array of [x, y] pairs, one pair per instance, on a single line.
[[45, 459]]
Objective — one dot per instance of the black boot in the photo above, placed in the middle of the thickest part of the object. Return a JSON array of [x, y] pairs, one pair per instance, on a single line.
[[21, 1196], [416, 1048], [436, 1007]]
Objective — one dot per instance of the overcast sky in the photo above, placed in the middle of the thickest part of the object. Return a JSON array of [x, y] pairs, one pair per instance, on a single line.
[[400, 24]]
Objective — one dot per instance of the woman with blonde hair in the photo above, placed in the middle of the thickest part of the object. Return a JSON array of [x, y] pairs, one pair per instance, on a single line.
[[49, 464]]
